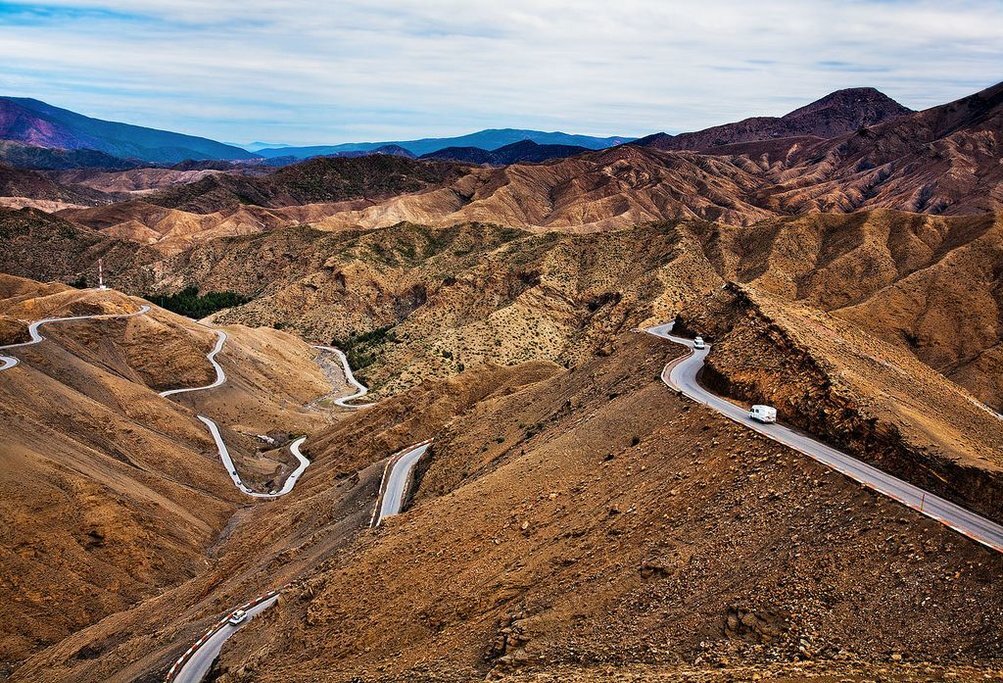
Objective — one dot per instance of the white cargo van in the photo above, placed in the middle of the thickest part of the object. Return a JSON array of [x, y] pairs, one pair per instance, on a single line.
[[698, 343], [763, 413]]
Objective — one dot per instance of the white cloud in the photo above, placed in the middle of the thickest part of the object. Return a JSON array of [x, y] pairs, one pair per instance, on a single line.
[[299, 72]]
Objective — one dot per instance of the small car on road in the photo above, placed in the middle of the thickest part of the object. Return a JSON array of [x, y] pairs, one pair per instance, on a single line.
[[237, 617], [699, 343]]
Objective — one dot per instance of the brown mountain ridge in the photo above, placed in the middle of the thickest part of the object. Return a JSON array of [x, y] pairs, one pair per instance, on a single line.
[[942, 160], [836, 114]]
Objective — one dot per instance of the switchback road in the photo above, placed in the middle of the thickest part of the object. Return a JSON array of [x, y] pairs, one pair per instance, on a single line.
[[224, 452], [7, 362], [360, 389], [224, 455], [211, 357]]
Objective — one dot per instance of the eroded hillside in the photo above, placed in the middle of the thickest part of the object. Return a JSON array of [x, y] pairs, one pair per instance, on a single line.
[[928, 284], [570, 520], [449, 296], [574, 514], [112, 494]]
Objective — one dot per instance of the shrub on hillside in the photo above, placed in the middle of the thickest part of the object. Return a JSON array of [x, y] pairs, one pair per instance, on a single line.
[[190, 303]]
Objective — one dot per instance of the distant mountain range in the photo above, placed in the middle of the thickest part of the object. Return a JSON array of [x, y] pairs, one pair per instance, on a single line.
[[36, 135], [525, 151], [255, 146], [489, 139], [37, 124]]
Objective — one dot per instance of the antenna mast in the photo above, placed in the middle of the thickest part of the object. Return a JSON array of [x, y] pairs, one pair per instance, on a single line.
[[101, 284]]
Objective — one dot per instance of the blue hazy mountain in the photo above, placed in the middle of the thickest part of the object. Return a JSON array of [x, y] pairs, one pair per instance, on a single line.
[[489, 139], [37, 124]]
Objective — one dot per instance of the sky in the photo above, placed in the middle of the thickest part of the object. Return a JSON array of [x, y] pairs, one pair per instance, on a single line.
[[310, 72]]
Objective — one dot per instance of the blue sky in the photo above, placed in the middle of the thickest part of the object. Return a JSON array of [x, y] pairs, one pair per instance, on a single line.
[[304, 72]]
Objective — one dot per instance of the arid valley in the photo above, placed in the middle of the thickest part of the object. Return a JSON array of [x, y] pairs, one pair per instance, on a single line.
[[478, 407]]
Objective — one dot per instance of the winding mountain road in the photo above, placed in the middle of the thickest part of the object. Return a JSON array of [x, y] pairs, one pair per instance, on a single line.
[[224, 455], [681, 374], [396, 481], [360, 389], [211, 357], [7, 362], [224, 452], [193, 665]]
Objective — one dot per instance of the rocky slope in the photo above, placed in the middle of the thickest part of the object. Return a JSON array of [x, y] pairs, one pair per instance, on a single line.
[[615, 188], [943, 160], [141, 181], [512, 443], [41, 246], [940, 161], [435, 300], [30, 157], [849, 151], [925, 283], [595, 518], [313, 181], [268, 545], [928, 284], [21, 188], [111, 494], [574, 514], [864, 396]]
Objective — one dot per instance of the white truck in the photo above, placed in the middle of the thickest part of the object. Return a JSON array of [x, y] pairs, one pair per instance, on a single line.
[[765, 414], [698, 343]]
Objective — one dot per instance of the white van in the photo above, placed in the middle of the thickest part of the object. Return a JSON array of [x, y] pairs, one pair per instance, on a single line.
[[698, 343], [237, 617], [763, 413]]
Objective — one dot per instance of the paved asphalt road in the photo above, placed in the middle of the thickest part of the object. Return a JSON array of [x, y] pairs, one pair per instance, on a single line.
[[202, 656], [360, 389], [681, 374], [211, 357], [224, 455], [7, 362], [397, 480]]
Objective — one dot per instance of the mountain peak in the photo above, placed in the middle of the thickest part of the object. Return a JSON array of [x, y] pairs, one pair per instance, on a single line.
[[869, 105], [838, 113]]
